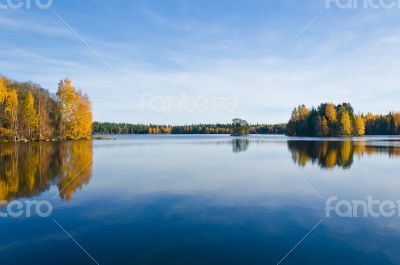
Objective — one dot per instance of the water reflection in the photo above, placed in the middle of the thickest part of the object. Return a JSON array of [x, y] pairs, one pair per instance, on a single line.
[[29, 169], [240, 145], [330, 154], [187, 200]]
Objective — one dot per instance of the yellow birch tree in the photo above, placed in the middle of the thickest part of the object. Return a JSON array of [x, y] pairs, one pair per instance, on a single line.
[[11, 110], [75, 111], [29, 114], [359, 126], [3, 91], [345, 124]]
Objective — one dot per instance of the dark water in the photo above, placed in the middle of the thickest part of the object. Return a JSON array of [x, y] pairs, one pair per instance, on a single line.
[[199, 200]]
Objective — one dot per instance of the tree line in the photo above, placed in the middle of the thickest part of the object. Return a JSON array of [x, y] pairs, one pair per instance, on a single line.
[[30, 112], [126, 128], [329, 119]]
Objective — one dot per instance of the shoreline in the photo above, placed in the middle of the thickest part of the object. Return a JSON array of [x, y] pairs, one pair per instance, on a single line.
[[57, 140], [114, 137]]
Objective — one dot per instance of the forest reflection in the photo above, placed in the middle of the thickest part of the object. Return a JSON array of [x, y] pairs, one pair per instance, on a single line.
[[28, 169], [330, 154]]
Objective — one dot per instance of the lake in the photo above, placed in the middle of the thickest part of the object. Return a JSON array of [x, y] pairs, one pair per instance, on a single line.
[[199, 199]]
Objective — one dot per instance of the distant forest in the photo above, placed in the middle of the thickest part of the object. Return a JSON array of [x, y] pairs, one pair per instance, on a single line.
[[125, 128], [29, 112], [326, 120], [340, 120]]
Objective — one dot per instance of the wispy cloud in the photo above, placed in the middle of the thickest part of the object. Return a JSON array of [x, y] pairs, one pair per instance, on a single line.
[[335, 61], [24, 22]]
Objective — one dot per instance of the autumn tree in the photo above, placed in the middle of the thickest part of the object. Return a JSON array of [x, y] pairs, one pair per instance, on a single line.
[[11, 111], [345, 124], [75, 112], [299, 121], [331, 116], [3, 91], [39, 116], [331, 120], [47, 115], [82, 124], [359, 125], [331, 113], [66, 102], [3, 95], [29, 114]]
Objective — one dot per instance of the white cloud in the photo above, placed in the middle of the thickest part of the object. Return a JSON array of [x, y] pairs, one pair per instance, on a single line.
[[342, 65]]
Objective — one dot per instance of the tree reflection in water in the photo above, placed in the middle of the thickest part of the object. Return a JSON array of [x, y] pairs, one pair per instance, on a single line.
[[330, 154], [28, 169], [240, 145]]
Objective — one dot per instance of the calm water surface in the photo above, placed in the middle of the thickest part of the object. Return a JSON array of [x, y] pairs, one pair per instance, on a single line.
[[199, 200]]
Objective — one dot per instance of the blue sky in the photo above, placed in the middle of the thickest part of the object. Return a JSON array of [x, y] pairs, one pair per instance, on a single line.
[[179, 61]]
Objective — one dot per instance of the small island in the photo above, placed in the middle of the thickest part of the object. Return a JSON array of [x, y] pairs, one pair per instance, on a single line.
[[239, 127]]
